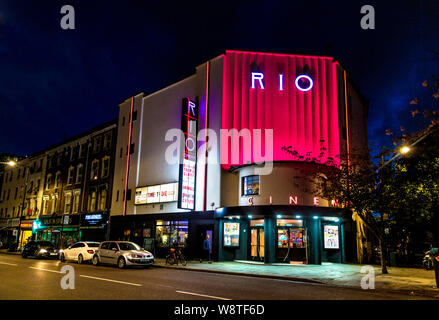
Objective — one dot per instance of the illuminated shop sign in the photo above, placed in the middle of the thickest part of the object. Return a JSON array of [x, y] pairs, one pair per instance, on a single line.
[[231, 234], [156, 194], [330, 237], [186, 181], [303, 82], [93, 217]]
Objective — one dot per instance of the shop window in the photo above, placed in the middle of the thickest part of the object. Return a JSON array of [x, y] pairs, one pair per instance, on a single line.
[[169, 233], [250, 185], [289, 223]]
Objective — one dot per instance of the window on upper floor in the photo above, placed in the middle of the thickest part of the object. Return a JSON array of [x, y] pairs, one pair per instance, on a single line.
[[67, 202], [250, 185], [79, 173], [105, 167], [107, 140], [103, 200], [92, 201], [97, 144], [58, 179], [71, 175], [94, 174]]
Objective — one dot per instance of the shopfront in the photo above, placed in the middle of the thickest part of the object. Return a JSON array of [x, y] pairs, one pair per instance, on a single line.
[[282, 234], [9, 231], [158, 233], [63, 230], [94, 226], [25, 232]]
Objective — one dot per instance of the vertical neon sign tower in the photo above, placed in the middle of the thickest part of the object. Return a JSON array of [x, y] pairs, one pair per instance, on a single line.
[[187, 174]]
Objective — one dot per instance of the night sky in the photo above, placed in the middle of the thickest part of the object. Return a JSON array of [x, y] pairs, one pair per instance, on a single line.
[[56, 83]]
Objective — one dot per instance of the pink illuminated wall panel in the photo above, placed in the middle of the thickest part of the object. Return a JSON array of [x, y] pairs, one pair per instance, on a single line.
[[305, 123]]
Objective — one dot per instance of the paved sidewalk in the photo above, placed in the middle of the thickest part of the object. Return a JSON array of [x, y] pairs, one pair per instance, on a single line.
[[5, 251], [409, 280]]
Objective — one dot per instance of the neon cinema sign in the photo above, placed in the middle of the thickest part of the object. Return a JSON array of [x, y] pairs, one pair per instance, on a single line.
[[186, 181], [303, 82]]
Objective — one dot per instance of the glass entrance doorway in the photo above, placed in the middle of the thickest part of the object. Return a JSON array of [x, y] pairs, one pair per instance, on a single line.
[[291, 241], [257, 247]]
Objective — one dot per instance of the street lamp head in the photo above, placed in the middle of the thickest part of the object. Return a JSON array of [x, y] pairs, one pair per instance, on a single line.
[[12, 163], [405, 149]]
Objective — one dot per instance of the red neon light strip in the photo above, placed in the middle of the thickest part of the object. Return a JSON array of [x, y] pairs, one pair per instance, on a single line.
[[206, 126], [128, 158]]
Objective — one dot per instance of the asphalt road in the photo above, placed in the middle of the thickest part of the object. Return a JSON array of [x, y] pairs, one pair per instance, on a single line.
[[41, 279]]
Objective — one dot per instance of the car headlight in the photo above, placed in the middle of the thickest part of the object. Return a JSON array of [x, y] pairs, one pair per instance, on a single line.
[[43, 251], [133, 255]]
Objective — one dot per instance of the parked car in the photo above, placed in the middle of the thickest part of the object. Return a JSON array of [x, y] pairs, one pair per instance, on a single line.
[[81, 252], [40, 249], [122, 254]]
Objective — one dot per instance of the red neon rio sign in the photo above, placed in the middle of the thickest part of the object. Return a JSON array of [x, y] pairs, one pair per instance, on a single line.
[[294, 95]]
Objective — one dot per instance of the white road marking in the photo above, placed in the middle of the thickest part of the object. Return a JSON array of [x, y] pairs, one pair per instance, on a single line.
[[202, 295], [42, 269], [110, 280], [9, 264]]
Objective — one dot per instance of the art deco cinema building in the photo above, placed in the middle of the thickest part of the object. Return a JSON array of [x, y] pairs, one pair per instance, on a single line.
[[300, 111]]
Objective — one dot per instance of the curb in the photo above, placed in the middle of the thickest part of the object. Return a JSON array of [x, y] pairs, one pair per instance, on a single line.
[[13, 253]]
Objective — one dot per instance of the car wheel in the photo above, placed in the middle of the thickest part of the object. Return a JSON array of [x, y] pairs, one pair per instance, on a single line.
[[95, 260], [121, 263], [80, 259], [62, 258]]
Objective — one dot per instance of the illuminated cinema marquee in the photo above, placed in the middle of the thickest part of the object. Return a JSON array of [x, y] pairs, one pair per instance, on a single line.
[[303, 82], [188, 164]]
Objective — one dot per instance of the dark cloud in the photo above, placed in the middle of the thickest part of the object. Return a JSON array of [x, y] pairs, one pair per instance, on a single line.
[[56, 83]]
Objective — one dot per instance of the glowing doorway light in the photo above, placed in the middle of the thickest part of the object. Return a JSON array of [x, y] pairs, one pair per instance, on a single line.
[[304, 77]]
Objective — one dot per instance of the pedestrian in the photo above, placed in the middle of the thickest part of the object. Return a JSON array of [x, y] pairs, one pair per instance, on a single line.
[[206, 249], [434, 252]]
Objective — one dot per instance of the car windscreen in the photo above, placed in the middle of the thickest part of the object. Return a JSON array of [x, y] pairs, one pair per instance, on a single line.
[[45, 244], [128, 246], [93, 244]]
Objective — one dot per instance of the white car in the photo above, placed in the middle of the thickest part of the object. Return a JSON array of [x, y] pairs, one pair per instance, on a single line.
[[81, 251]]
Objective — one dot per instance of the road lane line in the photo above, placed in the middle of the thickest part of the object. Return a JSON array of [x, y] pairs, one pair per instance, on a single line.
[[9, 264], [202, 295], [110, 280], [42, 269]]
